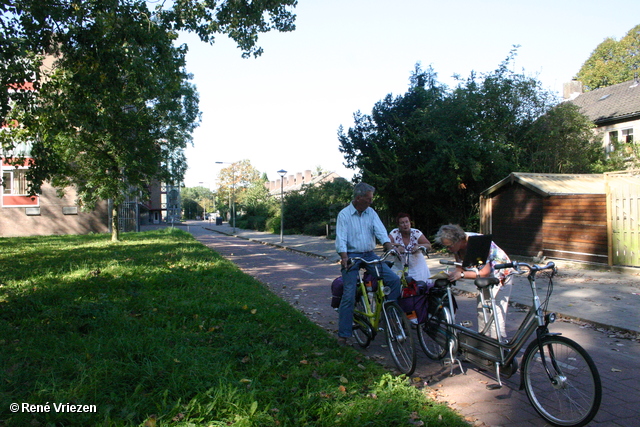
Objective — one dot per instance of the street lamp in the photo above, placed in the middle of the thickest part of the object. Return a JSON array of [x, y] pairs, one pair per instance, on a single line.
[[282, 173], [233, 186]]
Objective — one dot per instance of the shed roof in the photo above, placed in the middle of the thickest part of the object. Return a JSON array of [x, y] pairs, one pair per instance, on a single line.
[[550, 184], [609, 103]]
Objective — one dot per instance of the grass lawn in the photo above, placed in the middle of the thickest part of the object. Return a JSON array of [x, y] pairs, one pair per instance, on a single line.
[[158, 330]]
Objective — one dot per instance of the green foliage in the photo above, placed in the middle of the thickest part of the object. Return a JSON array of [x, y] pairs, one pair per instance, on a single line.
[[433, 150], [562, 141], [196, 201], [612, 62], [159, 324], [236, 180], [309, 210], [29, 28], [115, 109]]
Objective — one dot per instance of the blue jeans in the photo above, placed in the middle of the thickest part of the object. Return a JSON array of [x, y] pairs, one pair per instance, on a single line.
[[350, 278]]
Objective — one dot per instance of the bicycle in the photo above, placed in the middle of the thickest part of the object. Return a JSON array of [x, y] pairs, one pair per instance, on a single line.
[[559, 377], [404, 258], [369, 311], [409, 287]]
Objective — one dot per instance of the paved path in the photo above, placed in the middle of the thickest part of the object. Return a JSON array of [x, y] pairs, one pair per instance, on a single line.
[[584, 294]]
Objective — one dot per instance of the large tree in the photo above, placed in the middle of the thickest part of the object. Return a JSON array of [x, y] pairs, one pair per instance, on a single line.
[[432, 151], [612, 62], [116, 109], [235, 180], [30, 29]]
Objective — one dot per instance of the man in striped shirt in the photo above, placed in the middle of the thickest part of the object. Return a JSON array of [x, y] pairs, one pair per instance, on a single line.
[[357, 228]]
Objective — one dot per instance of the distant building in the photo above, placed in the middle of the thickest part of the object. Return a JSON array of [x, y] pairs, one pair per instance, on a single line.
[[300, 179]]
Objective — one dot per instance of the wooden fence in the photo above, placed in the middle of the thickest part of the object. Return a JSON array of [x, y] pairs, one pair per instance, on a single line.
[[623, 213]]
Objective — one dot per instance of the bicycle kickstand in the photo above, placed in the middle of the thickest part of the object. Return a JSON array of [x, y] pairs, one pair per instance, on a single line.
[[451, 361]]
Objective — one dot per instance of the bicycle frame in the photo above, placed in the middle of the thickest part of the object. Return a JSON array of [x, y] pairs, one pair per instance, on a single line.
[[559, 377], [373, 315], [485, 351]]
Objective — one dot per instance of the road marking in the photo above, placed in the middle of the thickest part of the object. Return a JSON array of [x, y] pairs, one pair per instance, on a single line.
[[307, 271]]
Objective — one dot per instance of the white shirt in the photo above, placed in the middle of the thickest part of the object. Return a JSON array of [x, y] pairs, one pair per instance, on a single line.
[[357, 232]]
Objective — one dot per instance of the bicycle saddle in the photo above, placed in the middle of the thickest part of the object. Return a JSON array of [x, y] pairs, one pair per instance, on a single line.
[[483, 282]]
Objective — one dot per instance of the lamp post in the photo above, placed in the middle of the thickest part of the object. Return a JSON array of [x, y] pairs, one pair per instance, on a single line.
[[282, 173], [233, 185]]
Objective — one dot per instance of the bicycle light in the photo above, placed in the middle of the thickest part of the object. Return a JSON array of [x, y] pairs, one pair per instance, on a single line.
[[550, 318], [386, 290]]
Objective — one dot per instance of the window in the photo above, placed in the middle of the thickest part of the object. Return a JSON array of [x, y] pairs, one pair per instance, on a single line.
[[613, 136], [613, 139], [14, 181], [627, 135]]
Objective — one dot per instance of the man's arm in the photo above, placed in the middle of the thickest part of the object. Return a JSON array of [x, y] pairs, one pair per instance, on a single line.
[[341, 239]]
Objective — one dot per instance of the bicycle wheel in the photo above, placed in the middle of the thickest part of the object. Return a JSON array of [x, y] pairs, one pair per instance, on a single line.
[[433, 334], [572, 396], [400, 338], [362, 330]]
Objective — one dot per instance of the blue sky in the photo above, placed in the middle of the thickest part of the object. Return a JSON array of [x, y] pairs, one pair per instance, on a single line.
[[283, 109]]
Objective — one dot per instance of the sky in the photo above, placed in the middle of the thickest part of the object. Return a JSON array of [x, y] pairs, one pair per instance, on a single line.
[[283, 109]]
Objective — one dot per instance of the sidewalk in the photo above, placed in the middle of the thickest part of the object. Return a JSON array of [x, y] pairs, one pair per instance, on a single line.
[[605, 298]]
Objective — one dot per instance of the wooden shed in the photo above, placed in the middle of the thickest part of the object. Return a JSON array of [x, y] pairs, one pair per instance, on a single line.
[[561, 215]]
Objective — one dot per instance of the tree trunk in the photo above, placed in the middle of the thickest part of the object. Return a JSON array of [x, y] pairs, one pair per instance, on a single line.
[[115, 230]]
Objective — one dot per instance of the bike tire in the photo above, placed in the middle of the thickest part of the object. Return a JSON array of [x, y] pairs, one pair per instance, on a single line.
[[573, 397], [400, 338], [362, 329], [434, 333]]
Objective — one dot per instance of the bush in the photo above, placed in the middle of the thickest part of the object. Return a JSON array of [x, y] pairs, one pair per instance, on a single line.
[[315, 229], [273, 224]]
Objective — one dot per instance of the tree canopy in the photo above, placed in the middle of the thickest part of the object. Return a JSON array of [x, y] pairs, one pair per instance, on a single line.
[[433, 150], [115, 109], [612, 62]]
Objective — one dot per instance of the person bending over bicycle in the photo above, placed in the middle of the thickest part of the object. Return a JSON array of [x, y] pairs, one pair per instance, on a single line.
[[454, 238], [357, 228]]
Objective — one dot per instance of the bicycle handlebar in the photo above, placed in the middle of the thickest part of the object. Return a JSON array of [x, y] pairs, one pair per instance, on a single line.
[[514, 265], [533, 268], [373, 261]]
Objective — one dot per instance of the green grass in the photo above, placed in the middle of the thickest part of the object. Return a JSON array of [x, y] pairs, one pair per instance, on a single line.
[[159, 330]]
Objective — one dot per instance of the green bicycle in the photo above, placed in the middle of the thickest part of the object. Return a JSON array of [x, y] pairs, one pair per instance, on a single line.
[[371, 310]]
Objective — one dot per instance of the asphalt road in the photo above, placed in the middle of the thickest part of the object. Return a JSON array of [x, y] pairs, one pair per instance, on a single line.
[[304, 282]]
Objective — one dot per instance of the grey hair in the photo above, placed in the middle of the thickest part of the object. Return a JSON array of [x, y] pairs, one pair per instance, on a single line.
[[361, 189], [451, 232]]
